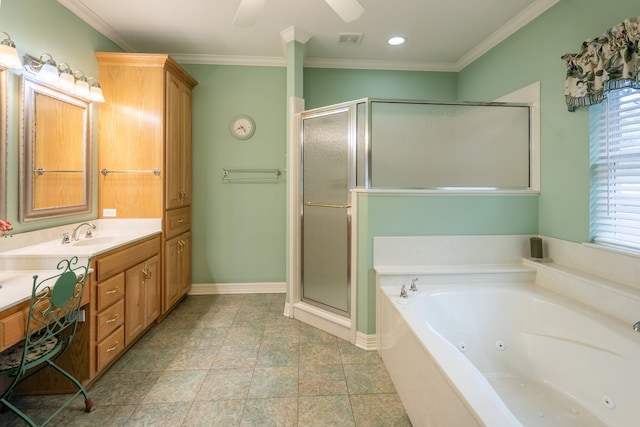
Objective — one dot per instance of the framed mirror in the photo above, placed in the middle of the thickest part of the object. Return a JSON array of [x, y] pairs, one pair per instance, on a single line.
[[55, 153], [3, 142]]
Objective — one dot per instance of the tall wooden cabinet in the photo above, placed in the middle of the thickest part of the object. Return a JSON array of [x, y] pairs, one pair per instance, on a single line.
[[144, 154]]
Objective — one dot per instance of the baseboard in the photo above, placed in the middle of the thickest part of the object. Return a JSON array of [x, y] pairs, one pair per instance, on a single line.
[[237, 288], [288, 309], [366, 342]]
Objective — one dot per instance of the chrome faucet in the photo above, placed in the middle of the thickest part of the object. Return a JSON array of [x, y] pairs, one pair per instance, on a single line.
[[413, 287], [76, 231], [636, 327], [403, 292]]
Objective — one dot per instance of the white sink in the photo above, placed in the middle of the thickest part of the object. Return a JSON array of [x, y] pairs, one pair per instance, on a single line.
[[94, 241]]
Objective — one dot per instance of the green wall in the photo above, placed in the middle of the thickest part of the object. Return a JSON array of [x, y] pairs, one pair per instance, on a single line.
[[239, 233], [37, 27], [326, 86], [533, 54]]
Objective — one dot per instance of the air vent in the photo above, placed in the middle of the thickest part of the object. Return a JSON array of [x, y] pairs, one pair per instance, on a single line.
[[350, 39]]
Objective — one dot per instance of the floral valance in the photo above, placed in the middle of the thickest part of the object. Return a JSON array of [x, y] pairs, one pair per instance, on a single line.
[[608, 62]]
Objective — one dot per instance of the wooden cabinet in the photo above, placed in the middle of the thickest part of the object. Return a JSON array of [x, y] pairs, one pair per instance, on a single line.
[[178, 164], [177, 269], [127, 298], [145, 130], [142, 298]]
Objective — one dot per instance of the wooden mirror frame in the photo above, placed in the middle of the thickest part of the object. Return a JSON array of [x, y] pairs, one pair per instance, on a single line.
[[31, 89], [4, 75]]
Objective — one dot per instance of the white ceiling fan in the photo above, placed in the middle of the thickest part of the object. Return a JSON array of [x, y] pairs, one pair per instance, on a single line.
[[248, 11]]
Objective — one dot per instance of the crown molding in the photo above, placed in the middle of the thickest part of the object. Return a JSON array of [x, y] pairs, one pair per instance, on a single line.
[[294, 33], [81, 11], [378, 65], [534, 10], [254, 61]]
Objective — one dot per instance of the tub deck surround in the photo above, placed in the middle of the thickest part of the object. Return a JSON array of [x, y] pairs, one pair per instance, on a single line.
[[616, 299], [38, 252]]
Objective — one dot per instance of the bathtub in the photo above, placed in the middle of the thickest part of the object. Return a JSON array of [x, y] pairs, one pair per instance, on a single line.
[[507, 355]]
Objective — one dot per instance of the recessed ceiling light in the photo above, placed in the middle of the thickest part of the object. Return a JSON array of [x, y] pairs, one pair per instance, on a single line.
[[396, 41]]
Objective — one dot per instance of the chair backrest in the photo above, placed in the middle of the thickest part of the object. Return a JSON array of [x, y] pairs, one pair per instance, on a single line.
[[55, 304]]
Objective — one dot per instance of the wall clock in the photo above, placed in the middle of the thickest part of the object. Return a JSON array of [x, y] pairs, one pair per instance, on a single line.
[[242, 127]]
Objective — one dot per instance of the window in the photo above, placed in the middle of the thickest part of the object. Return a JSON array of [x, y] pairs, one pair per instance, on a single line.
[[615, 169]]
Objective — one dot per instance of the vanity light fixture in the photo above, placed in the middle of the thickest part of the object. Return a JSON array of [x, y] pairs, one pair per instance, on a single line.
[[63, 77], [67, 80], [95, 91], [397, 40], [8, 53], [82, 85], [48, 69]]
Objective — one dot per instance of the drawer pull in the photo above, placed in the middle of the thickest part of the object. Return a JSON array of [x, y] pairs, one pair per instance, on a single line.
[[113, 319], [112, 291], [110, 349], [180, 221]]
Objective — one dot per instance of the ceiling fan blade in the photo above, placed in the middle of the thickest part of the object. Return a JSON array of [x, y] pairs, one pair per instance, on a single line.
[[348, 10], [248, 12]]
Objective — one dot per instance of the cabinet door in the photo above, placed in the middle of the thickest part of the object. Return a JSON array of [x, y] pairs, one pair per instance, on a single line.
[[134, 302], [185, 146], [178, 143], [177, 269], [152, 285], [142, 297], [185, 265]]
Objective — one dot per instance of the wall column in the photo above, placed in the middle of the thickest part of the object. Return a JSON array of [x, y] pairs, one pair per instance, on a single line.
[[295, 40]]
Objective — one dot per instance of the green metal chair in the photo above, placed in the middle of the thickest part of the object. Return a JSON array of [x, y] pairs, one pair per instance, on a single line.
[[51, 325]]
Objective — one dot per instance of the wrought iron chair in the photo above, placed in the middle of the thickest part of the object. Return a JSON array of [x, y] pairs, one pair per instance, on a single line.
[[51, 325]]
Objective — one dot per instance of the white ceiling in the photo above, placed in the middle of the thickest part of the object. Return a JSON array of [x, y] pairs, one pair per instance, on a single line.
[[442, 35]]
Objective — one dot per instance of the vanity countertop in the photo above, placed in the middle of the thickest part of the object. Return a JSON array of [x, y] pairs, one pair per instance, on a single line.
[[26, 254]]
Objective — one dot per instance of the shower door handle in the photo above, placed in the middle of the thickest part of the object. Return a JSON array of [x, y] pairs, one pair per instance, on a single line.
[[326, 205]]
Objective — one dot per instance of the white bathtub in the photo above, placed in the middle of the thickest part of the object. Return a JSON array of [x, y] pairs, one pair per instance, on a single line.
[[508, 355]]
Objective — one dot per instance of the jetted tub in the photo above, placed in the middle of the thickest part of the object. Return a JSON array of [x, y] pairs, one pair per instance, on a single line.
[[508, 355]]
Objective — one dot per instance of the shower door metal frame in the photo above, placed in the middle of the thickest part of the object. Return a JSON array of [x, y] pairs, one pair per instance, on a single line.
[[350, 109]]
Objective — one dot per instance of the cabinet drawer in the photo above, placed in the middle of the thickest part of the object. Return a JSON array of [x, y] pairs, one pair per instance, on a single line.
[[110, 291], [177, 221], [108, 349], [109, 319], [124, 258], [12, 328]]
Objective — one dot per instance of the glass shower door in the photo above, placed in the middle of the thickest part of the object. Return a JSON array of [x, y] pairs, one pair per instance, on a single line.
[[326, 177]]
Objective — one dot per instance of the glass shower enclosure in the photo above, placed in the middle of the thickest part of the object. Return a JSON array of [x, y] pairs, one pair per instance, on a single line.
[[377, 144]]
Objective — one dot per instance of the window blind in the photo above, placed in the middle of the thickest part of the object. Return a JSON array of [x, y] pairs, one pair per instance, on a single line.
[[615, 169]]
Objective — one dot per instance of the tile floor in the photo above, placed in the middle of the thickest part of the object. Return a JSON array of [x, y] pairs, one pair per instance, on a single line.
[[235, 360]]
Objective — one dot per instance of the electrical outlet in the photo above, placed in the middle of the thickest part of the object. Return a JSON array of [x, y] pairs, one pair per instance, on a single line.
[[108, 213]]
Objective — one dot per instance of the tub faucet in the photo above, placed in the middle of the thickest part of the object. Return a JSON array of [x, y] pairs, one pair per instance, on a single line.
[[413, 287], [636, 327], [403, 292], [76, 231]]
